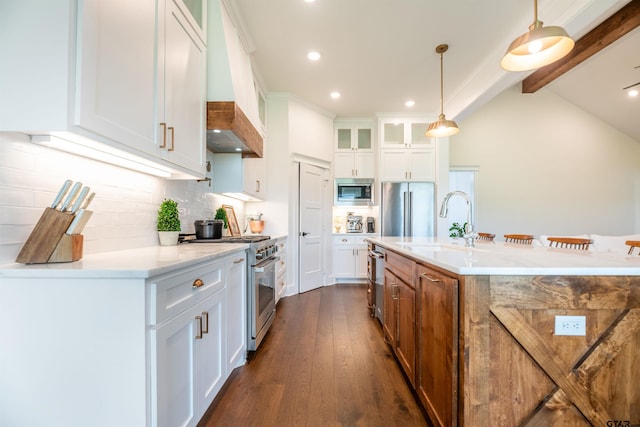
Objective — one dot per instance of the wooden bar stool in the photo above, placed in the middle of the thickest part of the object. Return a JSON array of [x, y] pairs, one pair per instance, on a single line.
[[632, 244], [569, 242], [523, 239], [486, 236]]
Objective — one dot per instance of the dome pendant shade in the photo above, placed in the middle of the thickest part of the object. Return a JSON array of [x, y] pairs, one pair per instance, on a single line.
[[538, 47], [442, 127]]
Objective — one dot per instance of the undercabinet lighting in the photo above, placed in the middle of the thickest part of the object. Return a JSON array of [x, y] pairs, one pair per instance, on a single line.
[[242, 196], [85, 147], [410, 103], [238, 149], [217, 131], [313, 56], [335, 95]]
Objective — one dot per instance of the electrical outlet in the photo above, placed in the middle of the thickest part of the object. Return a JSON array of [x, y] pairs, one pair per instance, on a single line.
[[571, 325]]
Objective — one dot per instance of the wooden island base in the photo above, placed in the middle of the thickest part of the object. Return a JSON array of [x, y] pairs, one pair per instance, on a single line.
[[482, 350], [516, 371]]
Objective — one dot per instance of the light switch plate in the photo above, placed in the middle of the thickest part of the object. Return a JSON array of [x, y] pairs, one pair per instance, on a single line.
[[571, 325]]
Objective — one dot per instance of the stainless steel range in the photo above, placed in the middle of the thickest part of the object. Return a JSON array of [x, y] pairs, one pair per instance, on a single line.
[[261, 282], [261, 295]]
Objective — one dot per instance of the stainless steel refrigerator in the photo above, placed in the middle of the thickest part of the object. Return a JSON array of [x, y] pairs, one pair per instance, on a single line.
[[408, 209]]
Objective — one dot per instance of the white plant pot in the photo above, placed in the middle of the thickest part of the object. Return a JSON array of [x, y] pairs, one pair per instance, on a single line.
[[168, 238]]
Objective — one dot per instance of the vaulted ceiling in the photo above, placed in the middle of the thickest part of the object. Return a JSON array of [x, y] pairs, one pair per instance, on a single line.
[[380, 53]]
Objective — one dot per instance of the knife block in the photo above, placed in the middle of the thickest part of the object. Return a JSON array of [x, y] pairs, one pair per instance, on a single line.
[[69, 249], [48, 237]]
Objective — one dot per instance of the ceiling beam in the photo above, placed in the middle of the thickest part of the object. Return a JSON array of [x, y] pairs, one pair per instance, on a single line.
[[613, 28]]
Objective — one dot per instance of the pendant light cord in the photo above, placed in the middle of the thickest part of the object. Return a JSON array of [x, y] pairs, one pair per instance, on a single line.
[[441, 86]]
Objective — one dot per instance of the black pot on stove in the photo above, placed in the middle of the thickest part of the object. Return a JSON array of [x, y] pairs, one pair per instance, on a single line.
[[208, 228]]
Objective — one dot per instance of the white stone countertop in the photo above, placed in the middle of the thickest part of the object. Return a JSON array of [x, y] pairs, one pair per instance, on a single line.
[[131, 263], [500, 258]]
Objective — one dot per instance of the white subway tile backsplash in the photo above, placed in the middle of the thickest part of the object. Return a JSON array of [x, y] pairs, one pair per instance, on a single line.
[[125, 206]]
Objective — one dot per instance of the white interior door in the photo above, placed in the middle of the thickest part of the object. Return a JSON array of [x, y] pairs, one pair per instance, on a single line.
[[310, 236]]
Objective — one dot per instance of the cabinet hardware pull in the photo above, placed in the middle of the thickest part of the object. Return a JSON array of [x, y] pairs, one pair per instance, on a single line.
[[205, 314], [238, 261], [394, 294], [173, 138], [199, 334], [164, 135], [429, 278], [257, 185], [197, 283]]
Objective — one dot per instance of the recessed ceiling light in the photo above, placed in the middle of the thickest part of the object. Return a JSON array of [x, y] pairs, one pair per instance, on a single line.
[[314, 56], [410, 103], [633, 93], [335, 95]]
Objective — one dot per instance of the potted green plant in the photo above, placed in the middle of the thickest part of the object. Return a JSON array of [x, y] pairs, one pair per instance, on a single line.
[[222, 214], [168, 224], [456, 230]]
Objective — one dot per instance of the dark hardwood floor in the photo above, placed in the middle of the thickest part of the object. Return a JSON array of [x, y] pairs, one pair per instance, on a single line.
[[325, 363]]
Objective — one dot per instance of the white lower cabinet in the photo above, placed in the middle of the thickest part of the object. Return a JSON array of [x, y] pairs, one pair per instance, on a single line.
[[350, 257], [281, 268], [119, 348], [189, 356], [195, 351], [236, 270]]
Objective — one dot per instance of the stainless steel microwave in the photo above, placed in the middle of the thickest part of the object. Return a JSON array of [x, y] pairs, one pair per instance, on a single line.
[[354, 192]]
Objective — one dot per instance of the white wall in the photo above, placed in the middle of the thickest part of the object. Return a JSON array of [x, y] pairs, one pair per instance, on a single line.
[[548, 167], [124, 208]]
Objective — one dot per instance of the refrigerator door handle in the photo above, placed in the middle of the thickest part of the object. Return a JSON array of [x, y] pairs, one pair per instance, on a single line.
[[410, 215], [407, 215]]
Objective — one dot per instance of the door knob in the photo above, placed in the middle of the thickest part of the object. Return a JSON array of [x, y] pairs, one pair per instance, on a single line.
[[304, 233]]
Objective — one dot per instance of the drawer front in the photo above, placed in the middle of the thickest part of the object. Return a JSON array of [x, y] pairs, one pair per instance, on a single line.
[[359, 240], [281, 264], [175, 292], [343, 240], [402, 267]]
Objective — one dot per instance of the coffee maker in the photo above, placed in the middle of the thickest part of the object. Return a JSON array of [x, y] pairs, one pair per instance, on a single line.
[[354, 223], [371, 224]]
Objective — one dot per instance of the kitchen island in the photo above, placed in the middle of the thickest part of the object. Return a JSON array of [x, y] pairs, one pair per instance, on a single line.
[[482, 332], [141, 337]]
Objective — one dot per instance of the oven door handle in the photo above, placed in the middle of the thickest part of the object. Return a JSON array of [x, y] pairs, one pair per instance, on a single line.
[[264, 264]]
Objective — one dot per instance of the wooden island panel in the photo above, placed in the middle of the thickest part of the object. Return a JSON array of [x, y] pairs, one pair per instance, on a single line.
[[516, 371]]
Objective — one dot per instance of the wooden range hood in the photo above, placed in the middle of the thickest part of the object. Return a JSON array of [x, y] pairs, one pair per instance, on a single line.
[[234, 125]]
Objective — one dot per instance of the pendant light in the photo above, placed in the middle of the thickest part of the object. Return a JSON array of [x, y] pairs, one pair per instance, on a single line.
[[539, 47], [442, 127]]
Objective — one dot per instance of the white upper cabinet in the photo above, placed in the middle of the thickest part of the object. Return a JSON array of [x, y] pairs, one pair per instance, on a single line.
[[236, 177], [406, 153], [115, 67], [181, 88], [86, 71], [402, 132], [354, 149]]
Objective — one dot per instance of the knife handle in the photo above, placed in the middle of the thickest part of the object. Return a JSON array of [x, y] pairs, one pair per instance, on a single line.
[[80, 199], [61, 193], [71, 197]]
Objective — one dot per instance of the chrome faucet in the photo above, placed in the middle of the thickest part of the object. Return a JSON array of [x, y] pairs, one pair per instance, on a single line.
[[469, 234]]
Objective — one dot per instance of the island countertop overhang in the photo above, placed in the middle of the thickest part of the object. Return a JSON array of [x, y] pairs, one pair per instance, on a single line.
[[500, 258]]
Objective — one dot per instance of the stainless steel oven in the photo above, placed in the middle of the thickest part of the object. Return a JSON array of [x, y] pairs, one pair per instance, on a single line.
[[261, 295]]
